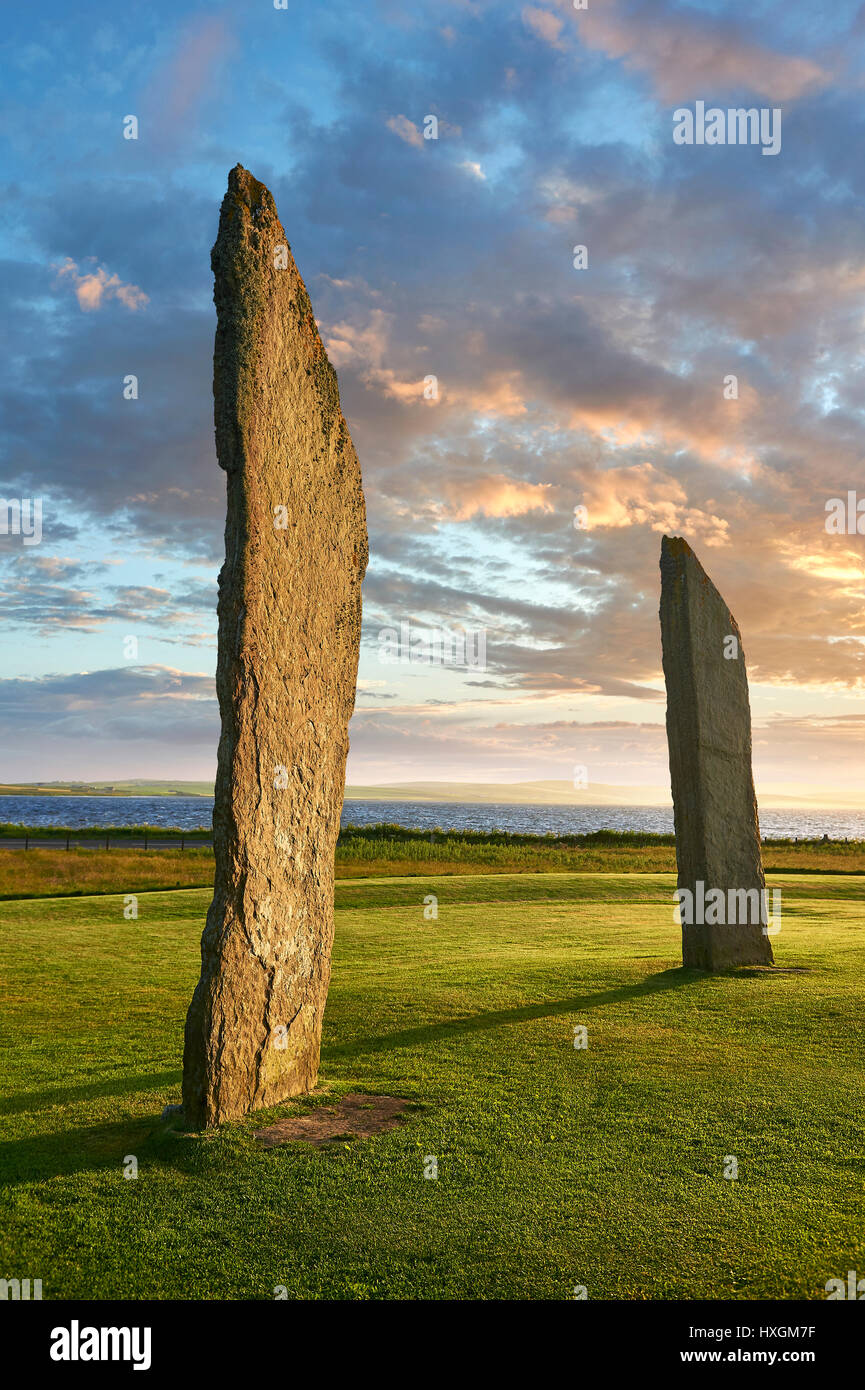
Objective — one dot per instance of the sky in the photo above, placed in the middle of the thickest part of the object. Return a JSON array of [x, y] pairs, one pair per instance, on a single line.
[[529, 421]]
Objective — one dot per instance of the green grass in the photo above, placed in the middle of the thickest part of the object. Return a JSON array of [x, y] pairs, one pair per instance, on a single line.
[[557, 1167], [136, 787], [12, 830]]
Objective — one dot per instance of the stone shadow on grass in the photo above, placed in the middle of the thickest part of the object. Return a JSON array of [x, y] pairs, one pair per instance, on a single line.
[[89, 1148], [30, 1101], [103, 1146], [84, 1148], [455, 1027]]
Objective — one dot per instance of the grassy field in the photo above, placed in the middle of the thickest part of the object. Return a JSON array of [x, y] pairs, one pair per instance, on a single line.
[[388, 851], [556, 1167]]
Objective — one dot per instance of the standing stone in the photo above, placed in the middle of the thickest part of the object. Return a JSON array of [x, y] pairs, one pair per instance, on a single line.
[[289, 635], [709, 738]]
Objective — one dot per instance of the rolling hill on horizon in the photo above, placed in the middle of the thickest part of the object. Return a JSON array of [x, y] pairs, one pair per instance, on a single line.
[[532, 793]]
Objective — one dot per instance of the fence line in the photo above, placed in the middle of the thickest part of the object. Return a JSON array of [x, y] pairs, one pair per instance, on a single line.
[[84, 841]]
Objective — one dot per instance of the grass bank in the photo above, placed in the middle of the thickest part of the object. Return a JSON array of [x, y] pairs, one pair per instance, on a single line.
[[393, 851], [556, 1167]]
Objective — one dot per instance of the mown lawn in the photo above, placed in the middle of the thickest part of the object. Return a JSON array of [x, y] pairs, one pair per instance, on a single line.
[[556, 1167]]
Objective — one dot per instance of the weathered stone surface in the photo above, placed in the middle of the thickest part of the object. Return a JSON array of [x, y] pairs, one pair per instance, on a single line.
[[709, 738], [289, 633]]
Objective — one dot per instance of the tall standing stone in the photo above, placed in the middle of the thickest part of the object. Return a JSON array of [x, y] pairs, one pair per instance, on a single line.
[[709, 738], [289, 634]]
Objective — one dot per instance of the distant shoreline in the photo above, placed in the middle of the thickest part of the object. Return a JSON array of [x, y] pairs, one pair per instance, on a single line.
[[537, 794], [46, 789]]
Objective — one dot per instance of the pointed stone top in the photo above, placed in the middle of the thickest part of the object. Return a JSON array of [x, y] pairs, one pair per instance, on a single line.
[[676, 548], [266, 328], [244, 186], [678, 559], [256, 207], [675, 545]]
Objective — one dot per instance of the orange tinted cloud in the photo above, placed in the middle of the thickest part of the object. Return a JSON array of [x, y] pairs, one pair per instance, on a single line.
[[95, 286], [494, 496], [686, 55], [640, 496], [406, 130], [367, 348], [544, 24]]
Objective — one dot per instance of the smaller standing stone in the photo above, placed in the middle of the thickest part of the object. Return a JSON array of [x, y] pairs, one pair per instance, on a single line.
[[709, 738]]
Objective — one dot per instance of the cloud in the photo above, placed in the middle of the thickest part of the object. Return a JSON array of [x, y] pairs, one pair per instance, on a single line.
[[687, 54], [639, 495], [150, 703], [95, 286], [46, 594], [406, 130], [187, 77], [495, 496], [556, 387], [544, 24]]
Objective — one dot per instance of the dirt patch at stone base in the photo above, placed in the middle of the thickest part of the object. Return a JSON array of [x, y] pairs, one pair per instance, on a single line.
[[355, 1115]]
